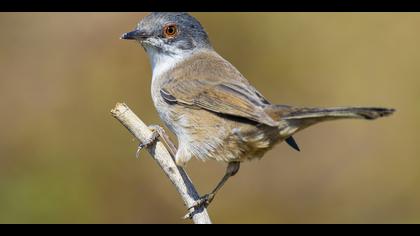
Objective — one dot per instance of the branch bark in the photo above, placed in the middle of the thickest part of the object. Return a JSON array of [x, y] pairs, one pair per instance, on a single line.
[[160, 154]]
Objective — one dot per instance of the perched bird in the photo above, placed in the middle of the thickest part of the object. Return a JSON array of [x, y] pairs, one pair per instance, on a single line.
[[213, 110]]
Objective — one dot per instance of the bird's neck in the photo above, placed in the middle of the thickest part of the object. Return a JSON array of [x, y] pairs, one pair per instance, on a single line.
[[163, 61]]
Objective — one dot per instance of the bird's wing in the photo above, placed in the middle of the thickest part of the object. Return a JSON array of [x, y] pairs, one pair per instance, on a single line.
[[222, 96]]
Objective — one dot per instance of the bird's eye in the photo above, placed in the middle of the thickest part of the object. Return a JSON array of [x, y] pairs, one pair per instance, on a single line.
[[170, 31]]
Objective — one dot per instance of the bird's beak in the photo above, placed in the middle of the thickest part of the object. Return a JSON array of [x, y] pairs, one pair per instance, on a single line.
[[135, 35]]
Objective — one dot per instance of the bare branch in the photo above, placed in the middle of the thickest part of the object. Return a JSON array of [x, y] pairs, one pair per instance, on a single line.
[[176, 174]]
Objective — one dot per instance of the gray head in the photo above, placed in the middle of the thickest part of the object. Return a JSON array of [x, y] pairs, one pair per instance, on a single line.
[[170, 33]]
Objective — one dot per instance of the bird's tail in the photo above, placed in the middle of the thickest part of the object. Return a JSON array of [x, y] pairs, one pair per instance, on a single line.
[[296, 119]]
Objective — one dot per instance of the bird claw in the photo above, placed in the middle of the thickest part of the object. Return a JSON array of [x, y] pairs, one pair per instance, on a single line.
[[149, 141], [189, 216], [203, 201]]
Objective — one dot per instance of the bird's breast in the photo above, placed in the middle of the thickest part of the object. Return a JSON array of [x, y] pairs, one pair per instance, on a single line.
[[167, 112]]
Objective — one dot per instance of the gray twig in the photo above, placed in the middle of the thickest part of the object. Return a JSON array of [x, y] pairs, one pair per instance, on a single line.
[[160, 154]]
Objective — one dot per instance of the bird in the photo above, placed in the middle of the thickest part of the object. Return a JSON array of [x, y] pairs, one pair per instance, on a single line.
[[210, 106]]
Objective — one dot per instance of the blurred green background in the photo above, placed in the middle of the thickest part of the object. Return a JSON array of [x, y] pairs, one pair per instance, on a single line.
[[64, 159]]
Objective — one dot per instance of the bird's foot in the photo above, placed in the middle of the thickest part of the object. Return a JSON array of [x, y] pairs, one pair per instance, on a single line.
[[152, 139], [203, 201]]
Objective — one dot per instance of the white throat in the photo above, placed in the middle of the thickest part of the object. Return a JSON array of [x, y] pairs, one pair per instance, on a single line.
[[162, 62]]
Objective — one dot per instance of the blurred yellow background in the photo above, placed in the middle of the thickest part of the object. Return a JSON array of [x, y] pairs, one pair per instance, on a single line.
[[64, 159]]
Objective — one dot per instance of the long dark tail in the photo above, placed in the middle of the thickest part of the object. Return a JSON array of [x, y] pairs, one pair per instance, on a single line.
[[300, 118], [368, 113]]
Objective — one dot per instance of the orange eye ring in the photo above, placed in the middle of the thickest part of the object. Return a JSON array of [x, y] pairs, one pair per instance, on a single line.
[[170, 31]]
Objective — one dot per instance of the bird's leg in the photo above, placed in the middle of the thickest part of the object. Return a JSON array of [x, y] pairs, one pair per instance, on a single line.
[[157, 132], [231, 170], [162, 133]]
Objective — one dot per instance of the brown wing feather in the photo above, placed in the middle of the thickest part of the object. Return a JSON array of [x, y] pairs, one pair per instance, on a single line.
[[213, 90], [218, 98]]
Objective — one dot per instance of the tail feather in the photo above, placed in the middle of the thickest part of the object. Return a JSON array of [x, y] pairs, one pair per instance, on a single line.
[[297, 118], [368, 113]]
